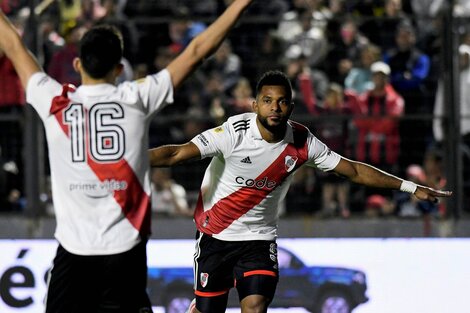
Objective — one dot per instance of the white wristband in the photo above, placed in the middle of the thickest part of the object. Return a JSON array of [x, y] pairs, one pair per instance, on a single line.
[[408, 186]]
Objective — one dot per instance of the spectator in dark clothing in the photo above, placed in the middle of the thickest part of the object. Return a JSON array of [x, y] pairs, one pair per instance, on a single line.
[[345, 53], [381, 29], [269, 54], [182, 29], [226, 64], [409, 66], [409, 71], [114, 16], [240, 99]]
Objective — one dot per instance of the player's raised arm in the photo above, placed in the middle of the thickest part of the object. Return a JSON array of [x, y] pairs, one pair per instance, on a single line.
[[205, 43], [368, 175], [11, 44], [169, 155]]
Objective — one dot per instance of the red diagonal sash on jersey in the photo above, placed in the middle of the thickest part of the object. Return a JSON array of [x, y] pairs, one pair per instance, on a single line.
[[232, 207], [134, 201]]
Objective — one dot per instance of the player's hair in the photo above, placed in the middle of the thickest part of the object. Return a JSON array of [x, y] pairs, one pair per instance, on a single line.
[[101, 50], [275, 78]]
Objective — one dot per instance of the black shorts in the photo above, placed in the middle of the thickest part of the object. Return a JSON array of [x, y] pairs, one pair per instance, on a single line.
[[250, 266], [102, 283]]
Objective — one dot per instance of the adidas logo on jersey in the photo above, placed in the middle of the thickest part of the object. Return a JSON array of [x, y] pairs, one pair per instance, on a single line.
[[241, 125], [246, 160]]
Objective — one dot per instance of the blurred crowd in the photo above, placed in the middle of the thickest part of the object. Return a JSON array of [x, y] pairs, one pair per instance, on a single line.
[[364, 74]]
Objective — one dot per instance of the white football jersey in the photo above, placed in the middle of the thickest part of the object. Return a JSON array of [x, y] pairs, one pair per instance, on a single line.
[[98, 140], [248, 177]]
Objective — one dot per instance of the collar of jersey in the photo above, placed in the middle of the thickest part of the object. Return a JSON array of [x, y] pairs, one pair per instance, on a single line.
[[96, 90], [255, 133]]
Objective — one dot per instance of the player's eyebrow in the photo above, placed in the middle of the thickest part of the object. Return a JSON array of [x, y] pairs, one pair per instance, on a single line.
[[273, 98]]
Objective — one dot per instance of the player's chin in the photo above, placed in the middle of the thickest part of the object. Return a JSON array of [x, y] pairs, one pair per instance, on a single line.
[[275, 126]]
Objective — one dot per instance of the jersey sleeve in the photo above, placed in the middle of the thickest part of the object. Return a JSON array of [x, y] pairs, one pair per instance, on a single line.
[[214, 141], [40, 91], [320, 156], [156, 91]]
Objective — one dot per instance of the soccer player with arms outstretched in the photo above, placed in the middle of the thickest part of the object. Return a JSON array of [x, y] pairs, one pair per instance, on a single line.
[[253, 158]]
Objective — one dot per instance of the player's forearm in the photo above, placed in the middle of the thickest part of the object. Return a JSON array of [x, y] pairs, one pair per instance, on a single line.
[[11, 44], [170, 155], [209, 40], [10, 40], [163, 156], [374, 177]]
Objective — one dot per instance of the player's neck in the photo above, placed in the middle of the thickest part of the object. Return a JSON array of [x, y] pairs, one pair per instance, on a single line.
[[271, 135], [87, 80]]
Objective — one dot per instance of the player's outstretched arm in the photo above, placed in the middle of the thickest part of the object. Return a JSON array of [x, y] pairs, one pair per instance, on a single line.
[[11, 44], [204, 44], [169, 155], [368, 175]]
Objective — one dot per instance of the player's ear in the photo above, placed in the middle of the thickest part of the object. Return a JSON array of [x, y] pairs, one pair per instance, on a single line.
[[254, 105], [118, 69], [77, 65]]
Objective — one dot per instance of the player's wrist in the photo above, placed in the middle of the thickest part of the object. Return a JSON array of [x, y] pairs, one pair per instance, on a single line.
[[408, 186]]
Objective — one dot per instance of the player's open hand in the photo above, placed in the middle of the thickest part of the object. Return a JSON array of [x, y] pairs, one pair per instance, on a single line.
[[430, 194]]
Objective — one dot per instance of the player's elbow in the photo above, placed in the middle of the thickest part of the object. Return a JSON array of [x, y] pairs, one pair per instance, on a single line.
[[354, 172], [172, 157]]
